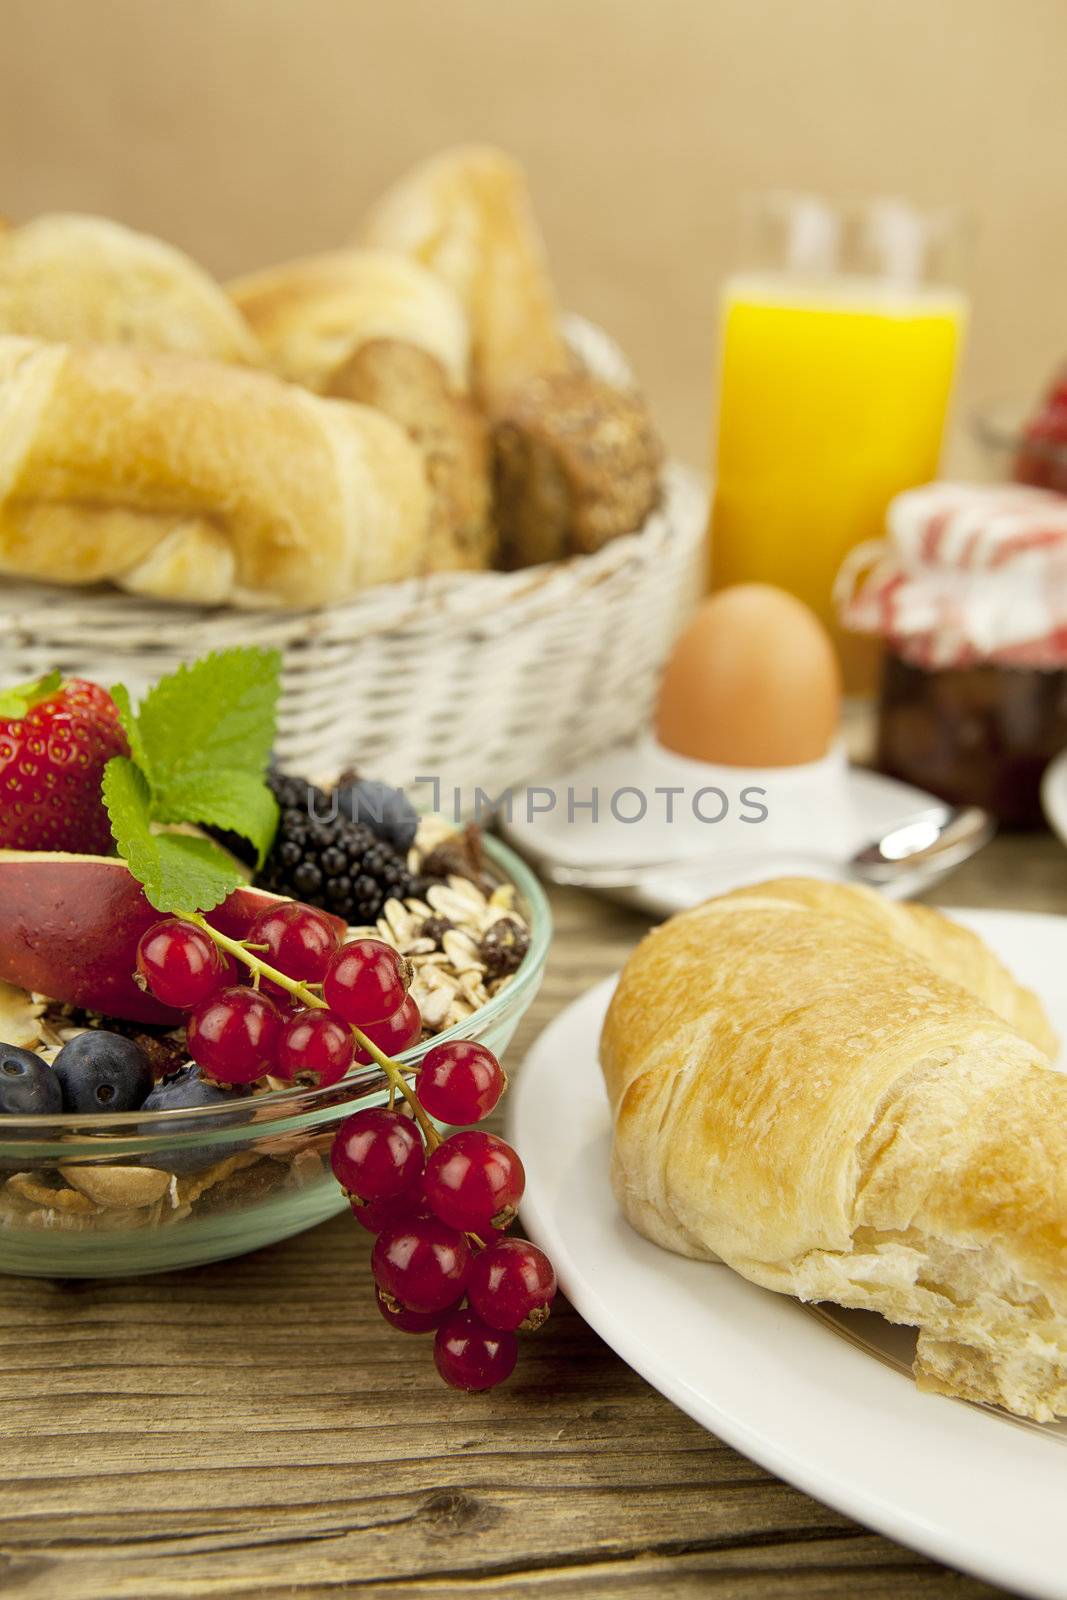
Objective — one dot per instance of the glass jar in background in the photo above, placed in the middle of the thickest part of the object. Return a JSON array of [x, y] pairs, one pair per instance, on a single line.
[[968, 593], [841, 336]]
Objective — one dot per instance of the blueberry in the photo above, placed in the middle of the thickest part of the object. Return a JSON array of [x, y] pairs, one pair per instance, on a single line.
[[387, 812], [100, 1071], [28, 1085], [186, 1090]]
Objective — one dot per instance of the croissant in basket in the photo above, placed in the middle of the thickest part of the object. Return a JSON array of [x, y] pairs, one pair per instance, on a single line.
[[851, 1101], [462, 432], [466, 215], [85, 280], [312, 316], [200, 481]]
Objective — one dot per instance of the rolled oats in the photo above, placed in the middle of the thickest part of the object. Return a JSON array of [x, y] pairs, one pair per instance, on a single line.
[[456, 969]]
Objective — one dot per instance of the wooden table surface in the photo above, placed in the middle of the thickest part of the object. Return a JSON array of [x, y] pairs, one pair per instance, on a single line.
[[254, 1428]]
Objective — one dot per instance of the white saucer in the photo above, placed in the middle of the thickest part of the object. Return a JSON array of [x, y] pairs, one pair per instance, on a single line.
[[829, 808], [822, 1397]]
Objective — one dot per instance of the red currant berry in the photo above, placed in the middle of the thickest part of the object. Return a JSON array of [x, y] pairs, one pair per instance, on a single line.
[[365, 981], [232, 1035], [460, 1081], [180, 964], [468, 1355], [377, 1154], [314, 1049], [423, 1264], [409, 1321], [299, 940], [396, 1034], [512, 1285], [474, 1181], [374, 1215]]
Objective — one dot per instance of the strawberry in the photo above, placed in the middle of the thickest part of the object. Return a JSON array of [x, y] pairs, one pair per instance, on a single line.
[[56, 738]]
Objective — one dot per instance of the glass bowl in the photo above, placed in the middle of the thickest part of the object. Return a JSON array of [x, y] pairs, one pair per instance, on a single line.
[[1012, 452], [96, 1196]]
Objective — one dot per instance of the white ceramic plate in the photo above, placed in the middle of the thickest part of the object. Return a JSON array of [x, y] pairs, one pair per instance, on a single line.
[[822, 1398], [829, 807], [1054, 795]]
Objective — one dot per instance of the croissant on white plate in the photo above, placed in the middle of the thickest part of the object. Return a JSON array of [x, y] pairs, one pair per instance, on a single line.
[[853, 1101]]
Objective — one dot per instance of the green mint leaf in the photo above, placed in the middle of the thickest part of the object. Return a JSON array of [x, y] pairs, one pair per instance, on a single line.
[[130, 727], [237, 801], [15, 702], [178, 872], [217, 712]]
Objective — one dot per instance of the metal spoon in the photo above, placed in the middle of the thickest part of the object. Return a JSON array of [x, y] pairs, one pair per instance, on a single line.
[[933, 840]]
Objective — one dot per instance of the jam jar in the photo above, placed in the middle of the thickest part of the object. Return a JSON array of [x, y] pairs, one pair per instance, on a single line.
[[969, 594]]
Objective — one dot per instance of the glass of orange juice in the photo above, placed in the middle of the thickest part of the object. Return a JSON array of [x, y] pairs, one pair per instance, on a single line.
[[841, 335]]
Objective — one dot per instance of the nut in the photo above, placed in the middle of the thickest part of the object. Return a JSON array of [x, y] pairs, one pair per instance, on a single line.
[[118, 1186]]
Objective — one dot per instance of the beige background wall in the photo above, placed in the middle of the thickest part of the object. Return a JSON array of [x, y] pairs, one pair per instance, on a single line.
[[248, 130]]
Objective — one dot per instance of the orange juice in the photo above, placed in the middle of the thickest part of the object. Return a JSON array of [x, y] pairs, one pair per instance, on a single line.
[[833, 398]]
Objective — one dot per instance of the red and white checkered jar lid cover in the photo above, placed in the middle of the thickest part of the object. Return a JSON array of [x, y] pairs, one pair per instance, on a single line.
[[968, 573]]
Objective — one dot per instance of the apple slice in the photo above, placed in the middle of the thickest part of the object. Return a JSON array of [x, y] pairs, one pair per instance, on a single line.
[[69, 927]]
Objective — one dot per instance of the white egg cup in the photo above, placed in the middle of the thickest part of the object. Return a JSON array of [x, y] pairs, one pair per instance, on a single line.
[[644, 803]]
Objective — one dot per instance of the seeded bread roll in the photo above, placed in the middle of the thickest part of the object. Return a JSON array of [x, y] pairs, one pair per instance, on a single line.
[[313, 315], [85, 280], [466, 215], [410, 386], [196, 481], [575, 462], [850, 1101]]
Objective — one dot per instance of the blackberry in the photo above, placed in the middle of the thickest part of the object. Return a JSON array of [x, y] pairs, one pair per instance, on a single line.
[[328, 861]]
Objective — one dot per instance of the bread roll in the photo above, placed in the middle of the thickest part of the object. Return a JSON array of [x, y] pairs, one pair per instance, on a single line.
[[84, 280], [313, 315], [851, 1101], [576, 463], [195, 481], [410, 386], [466, 215]]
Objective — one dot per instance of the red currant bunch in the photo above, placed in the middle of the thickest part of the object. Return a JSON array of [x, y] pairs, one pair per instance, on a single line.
[[438, 1208], [261, 1013]]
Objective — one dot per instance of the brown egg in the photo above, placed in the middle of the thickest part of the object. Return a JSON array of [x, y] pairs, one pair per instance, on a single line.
[[753, 682]]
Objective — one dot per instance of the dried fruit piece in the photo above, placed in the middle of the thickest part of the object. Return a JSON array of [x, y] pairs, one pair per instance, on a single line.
[[503, 948], [460, 853]]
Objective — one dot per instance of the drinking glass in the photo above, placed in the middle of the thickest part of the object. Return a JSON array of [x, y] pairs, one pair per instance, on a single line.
[[841, 336]]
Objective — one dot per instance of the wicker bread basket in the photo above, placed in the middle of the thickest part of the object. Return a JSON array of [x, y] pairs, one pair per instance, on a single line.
[[478, 679]]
